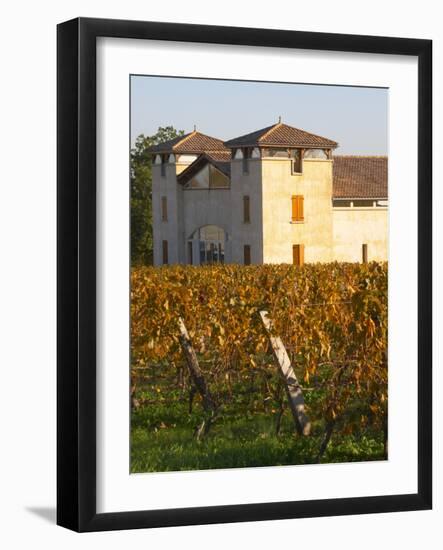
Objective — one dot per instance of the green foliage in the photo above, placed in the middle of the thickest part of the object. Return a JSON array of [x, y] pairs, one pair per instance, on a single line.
[[141, 194], [162, 439]]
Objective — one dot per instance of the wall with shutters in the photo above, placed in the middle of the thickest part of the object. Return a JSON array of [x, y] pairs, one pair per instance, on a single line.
[[250, 233], [280, 232], [327, 233], [170, 229]]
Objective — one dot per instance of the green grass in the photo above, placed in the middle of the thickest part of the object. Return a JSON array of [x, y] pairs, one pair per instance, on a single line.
[[162, 439]]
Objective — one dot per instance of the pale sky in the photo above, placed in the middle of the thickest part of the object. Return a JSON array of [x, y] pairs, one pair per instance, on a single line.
[[355, 117]]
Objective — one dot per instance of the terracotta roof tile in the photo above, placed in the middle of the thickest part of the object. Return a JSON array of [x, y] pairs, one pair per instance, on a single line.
[[221, 160], [363, 177], [192, 143], [221, 156], [281, 135]]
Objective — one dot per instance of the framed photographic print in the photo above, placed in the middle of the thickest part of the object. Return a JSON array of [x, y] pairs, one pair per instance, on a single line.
[[244, 274]]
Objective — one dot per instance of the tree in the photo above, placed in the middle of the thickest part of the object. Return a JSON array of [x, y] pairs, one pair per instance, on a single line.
[[141, 193]]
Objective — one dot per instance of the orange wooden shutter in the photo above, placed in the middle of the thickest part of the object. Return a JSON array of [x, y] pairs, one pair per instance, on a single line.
[[297, 208], [295, 254], [298, 254], [302, 254], [165, 252], [164, 209], [246, 210], [364, 253], [301, 215], [247, 254]]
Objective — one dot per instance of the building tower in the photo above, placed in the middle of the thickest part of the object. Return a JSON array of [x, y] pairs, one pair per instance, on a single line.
[[285, 174], [170, 159]]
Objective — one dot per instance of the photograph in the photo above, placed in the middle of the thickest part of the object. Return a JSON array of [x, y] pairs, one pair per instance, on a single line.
[[259, 274]]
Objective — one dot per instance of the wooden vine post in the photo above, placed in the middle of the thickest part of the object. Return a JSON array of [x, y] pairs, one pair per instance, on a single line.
[[198, 379], [292, 386]]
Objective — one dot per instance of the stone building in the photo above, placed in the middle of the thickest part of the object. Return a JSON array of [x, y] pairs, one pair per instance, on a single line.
[[276, 195]]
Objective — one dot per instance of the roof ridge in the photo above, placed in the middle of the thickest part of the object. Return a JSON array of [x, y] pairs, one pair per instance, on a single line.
[[184, 138], [254, 132], [270, 130], [222, 144]]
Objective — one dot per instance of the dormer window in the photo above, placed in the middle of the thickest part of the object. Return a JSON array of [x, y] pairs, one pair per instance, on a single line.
[[209, 177]]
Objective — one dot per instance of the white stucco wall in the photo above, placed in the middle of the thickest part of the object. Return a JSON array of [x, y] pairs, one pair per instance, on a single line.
[[188, 210], [315, 232], [327, 233], [356, 226], [207, 207], [250, 233], [166, 230]]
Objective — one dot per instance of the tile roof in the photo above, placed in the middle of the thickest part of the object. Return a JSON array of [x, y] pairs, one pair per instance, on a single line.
[[192, 143], [281, 135], [364, 177], [221, 156], [221, 160]]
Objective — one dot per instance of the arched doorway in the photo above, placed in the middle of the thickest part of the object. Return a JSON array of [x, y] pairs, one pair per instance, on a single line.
[[207, 246]]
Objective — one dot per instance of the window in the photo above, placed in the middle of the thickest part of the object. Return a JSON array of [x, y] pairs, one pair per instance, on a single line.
[[364, 253], [217, 180], [209, 177], [277, 152], [211, 252], [297, 208], [165, 252], [297, 162], [340, 203], [190, 254], [298, 254], [163, 165], [247, 254], [359, 203], [210, 245], [246, 209], [246, 156], [363, 203], [316, 154], [164, 209]]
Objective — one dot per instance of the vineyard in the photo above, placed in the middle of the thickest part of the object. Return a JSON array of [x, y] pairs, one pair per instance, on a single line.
[[208, 389]]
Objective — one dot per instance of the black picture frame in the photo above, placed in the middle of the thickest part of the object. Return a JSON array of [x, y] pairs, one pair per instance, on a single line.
[[76, 265]]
